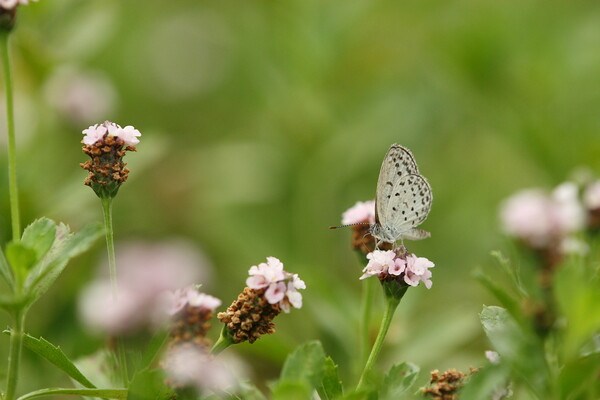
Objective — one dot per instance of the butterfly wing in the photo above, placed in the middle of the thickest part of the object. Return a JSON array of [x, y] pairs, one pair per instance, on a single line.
[[404, 205], [397, 163]]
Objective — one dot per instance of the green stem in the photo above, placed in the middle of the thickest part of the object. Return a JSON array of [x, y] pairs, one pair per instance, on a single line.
[[391, 305], [12, 147], [365, 322], [122, 362], [14, 355], [223, 342], [110, 244]]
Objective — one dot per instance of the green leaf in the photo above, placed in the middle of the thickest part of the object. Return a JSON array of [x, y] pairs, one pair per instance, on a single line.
[[397, 381], [148, 384], [578, 375], [305, 364], [331, 385], [21, 259], [486, 383], [508, 301], [104, 393], [154, 348], [519, 348], [5, 271], [39, 236], [250, 392], [55, 356], [65, 247], [292, 390]]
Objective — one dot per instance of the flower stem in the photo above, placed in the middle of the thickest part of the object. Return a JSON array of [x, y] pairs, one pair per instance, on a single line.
[[391, 305], [122, 357], [14, 355], [12, 148], [365, 322], [110, 244], [223, 342]]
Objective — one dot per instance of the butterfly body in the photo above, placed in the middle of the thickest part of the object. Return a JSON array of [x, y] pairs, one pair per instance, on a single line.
[[403, 198]]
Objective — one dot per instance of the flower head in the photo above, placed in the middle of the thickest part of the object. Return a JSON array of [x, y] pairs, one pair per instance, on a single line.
[[363, 215], [397, 265], [270, 290], [11, 4], [106, 145], [362, 211]]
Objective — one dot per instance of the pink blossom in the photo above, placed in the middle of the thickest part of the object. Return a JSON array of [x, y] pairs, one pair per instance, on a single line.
[[492, 356], [591, 196], [189, 366], [145, 272], [180, 298], [360, 212], [129, 134], [410, 268], [10, 4], [281, 286], [539, 218]]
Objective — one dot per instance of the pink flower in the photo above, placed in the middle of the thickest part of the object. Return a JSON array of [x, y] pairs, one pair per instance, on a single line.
[[417, 270], [145, 272], [539, 218], [360, 212], [281, 286], [189, 366], [129, 134], [392, 264], [10, 4]]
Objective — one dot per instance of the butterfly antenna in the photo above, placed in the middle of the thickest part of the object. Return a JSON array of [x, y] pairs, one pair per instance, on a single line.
[[344, 226]]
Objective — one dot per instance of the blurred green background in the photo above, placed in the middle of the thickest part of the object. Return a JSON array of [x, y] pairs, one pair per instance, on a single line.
[[263, 121]]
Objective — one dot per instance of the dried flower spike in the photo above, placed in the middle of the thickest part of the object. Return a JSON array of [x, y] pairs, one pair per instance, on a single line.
[[106, 144], [270, 290], [363, 215], [446, 386]]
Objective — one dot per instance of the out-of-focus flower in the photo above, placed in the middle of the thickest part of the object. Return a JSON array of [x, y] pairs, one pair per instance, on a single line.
[[540, 219], [492, 357], [10, 4], [81, 96], [396, 264], [591, 196], [362, 214], [362, 211], [189, 366], [145, 273], [106, 145], [270, 290]]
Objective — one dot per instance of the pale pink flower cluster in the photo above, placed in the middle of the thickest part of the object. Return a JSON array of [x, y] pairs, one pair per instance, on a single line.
[[178, 299], [411, 268], [129, 134], [146, 273], [10, 4], [360, 212], [190, 366], [281, 286], [541, 219]]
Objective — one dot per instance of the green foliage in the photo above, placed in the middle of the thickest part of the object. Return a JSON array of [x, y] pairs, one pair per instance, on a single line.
[[56, 356], [148, 384], [331, 387], [302, 372], [118, 394], [398, 380]]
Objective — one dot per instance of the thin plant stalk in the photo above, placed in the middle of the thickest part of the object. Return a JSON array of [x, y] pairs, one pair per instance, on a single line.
[[14, 355], [12, 147], [391, 305], [365, 321], [222, 343], [110, 243]]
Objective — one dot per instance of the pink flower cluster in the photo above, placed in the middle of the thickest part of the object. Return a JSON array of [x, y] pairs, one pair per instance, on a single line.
[[411, 268], [178, 299], [10, 4], [542, 219], [282, 287], [129, 134], [360, 212]]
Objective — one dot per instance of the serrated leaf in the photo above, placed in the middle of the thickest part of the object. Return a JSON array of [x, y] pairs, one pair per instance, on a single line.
[[54, 355], [305, 364], [5, 271], [39, 236], [119, 394], [65, 247], [21, 259], [148, 384], [331, 387], [398, 380]]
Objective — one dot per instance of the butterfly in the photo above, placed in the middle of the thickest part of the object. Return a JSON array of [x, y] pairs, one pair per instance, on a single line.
[[403, 198]]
